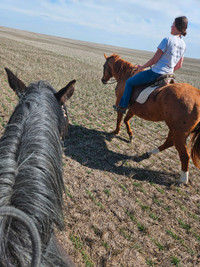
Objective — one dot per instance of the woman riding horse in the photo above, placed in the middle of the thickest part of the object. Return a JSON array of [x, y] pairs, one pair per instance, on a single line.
[[167, 59]]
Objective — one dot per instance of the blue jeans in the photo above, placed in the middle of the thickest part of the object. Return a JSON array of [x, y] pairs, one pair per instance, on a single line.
[[146, 76]]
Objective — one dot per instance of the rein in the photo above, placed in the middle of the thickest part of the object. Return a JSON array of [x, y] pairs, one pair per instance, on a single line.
[[111, 82]]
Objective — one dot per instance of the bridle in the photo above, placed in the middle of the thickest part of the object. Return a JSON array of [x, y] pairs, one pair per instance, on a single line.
[[64, 109]]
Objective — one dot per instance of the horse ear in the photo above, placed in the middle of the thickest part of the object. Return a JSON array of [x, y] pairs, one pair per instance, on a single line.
[[105, 56], [65, 93], [16, 84]]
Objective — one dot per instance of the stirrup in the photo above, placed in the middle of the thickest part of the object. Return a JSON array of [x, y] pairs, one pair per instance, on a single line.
[[115, 107], [121, 110]]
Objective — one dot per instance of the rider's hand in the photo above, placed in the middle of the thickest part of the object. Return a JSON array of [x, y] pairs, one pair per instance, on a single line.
[[140, 67]]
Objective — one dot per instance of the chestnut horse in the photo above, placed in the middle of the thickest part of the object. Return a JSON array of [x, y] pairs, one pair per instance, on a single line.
[[177, 104]]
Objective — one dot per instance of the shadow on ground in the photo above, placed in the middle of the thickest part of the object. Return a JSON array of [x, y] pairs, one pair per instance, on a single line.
[[88, 147]]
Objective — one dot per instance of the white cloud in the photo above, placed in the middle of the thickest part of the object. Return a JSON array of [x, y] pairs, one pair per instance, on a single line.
[[131, 19]]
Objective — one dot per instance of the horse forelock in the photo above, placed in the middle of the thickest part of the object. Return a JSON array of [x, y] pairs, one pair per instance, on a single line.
[[114, 56], [31, 164]]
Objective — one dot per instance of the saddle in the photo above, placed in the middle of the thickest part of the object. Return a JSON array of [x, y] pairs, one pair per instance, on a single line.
[[141, 93]]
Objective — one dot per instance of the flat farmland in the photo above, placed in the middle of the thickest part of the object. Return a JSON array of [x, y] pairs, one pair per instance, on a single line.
[[118, 211]]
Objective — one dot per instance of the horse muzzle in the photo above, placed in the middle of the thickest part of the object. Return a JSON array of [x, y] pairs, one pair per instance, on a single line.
[[103, 81]]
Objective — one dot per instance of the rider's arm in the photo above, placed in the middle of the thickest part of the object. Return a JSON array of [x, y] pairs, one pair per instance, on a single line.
[[153, 60], [179, 64]]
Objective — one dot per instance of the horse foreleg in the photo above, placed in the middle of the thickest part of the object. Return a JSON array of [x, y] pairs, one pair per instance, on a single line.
[[129, 115], [168, 143], [180, 144], [119, 121]]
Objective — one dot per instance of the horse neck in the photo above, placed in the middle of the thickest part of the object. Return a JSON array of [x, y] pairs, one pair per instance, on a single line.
[[122, 70]]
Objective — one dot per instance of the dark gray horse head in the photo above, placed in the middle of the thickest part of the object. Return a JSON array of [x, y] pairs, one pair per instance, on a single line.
[[20, 88], [62, 95]]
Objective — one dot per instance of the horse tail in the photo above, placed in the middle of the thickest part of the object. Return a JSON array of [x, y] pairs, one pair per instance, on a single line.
[[33, 232], [195, 146]]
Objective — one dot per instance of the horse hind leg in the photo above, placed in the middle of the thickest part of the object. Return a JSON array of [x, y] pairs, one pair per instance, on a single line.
[[169, 142], [181, 146], [179, 140], [129, 115]]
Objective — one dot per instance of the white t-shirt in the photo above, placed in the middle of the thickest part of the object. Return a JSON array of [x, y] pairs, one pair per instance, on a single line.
[[173, 49]]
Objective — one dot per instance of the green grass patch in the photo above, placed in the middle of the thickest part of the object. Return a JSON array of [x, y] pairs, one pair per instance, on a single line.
[[2, 122], [68, 193], [107, 192], [184, 225], [123, 187], [131, 216], [153, 216], [125, 234], [175, 261], [161, 190], [80, 247], [92, 197], [141, 227], [105, 245], [172, 234], [150, 262]]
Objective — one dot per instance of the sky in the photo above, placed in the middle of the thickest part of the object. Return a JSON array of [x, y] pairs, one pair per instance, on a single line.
[[136, 24]]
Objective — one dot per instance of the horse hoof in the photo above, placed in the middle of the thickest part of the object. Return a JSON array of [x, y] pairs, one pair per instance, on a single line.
[[130, 139], [114, 133], [153, 152], [184, 179]]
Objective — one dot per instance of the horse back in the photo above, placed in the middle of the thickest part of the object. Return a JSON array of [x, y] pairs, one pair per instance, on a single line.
[[179, 102], [169, 103], [182, 93]]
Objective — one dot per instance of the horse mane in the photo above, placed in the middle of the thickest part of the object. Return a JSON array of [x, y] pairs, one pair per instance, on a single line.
[[31, 172], [122, 68]]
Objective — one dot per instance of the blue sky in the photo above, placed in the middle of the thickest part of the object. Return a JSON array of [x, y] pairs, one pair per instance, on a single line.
[[137, 24]]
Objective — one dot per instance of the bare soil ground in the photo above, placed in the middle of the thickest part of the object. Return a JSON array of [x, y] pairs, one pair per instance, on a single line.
[[119, 211]]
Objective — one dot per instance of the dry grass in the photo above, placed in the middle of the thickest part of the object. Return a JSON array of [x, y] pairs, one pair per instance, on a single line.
[[118, 211]]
